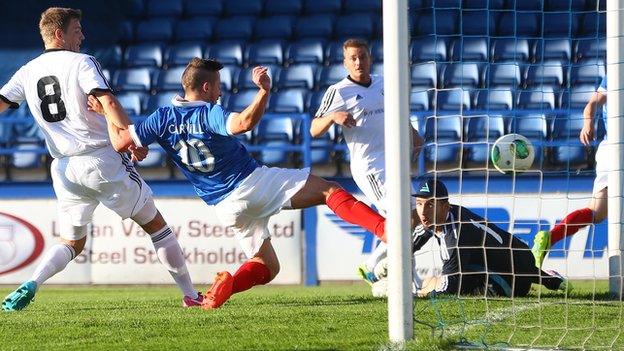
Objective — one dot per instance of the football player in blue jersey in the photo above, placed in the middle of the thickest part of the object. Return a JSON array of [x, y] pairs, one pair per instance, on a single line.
[[198, 134]]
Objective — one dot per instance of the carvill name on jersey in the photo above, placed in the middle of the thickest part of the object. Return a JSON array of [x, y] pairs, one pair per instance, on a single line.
[[188, 128], [367, 113]]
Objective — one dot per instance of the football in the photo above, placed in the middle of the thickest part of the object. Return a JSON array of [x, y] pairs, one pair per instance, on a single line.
[[512, 153]]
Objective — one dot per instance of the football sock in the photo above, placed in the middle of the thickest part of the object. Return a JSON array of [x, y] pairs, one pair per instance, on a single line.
[[356, 212], [53, 262], [378, 254], [571, 224], [170, 255], [251, 273]]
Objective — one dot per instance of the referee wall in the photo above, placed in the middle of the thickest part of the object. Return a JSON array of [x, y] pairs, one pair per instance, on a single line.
[[312, 245]]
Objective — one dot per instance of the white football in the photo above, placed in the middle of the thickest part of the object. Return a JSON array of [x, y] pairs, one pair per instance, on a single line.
[[512, 153]]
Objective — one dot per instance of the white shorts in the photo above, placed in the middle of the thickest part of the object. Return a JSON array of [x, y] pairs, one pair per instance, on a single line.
[[82, 182], [262, 194], [372, 184], [602, 167]]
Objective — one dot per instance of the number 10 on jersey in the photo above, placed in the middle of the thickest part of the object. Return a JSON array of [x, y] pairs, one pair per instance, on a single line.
[[195, 155]]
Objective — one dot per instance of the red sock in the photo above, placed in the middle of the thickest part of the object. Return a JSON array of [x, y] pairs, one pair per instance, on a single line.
[[353, 211], [571, 224], [251, 273]]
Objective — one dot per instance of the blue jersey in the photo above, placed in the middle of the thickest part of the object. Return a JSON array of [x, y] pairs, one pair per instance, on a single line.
[[195, 136], [603, 89]]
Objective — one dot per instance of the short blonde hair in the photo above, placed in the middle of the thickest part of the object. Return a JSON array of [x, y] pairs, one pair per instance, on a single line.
[[355, 43], [56, 18]]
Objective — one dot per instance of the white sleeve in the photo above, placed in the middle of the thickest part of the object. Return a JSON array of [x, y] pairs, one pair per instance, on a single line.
[[134, 135], [13, 92], [90, 76], [332, 102]]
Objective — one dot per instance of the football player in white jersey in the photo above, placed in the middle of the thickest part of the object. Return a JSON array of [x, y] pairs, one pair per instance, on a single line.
[[356, 103], [86, 170]]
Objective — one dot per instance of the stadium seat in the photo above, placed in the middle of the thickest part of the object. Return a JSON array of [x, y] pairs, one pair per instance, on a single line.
[[420, 100], [297, 76], [143, 55], [334, 52], [132, 79], [245, 77], [322, 6], [243, 8], [238, 28], [107, 56], [181, 54], [158, 29], [228, 52], [239, 101], [203, 8], [481, 132], [29, 154], [568, 126], [132, 102], [281, 7], [553, 50], [590, 49], [264, 52], [160, 100], [443, 4], [559, 25], [528, 5], [505, 75], [156, 157], [520, 24], [354, 6], [444, 23], [195, 29], [229, 75], [577, 97], [288, 101], [540, 99], [484, 4], [428, 49], [443, 142], [566, 129], [564, 5], [322, 146], [593, 25], [377, 69], [471, 49], [547, 74], [305, 51], [478, 22], [495, 99], [453, 101], [318, 26], [461, 75], [274, 27], [126, 31], [164, 8], [169, 80], [330, 75], [135, 8], [353, 26], [443, 128], [314, 101], [531, 125], [510, 49], [274, 132], [588, 72]]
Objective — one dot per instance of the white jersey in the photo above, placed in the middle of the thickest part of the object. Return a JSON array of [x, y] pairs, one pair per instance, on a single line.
[[366, 104], [55, 86]]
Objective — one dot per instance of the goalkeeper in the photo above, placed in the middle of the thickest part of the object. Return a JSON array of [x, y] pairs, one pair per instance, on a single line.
[[478, 257]]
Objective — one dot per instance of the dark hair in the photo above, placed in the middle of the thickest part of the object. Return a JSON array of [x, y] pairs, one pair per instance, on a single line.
[[199, 71], [56, 18]]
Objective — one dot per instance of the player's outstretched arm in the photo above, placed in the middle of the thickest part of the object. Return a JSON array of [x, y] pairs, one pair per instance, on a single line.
[[117, 122], [249, 117], [597, 100]]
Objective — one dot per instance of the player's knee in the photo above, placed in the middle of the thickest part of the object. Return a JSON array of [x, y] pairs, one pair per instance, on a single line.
[[331, 187], [76, 245], [274, 270], [148, 216]]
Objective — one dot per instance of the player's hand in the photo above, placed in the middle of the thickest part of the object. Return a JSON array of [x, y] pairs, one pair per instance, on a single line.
[[587, 133], [260, 77], [417, 143], [343, 118], [429, 285], [94, 105], [137, 153]]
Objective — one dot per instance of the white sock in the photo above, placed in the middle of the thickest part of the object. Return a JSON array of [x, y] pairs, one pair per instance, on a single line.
[[170, 255], [378, 254], [53, 262]]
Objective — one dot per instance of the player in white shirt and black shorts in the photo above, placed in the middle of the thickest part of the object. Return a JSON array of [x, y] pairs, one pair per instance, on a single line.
[[356, 103], [86, 170]]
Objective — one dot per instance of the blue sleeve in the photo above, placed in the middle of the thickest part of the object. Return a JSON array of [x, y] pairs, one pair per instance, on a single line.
[[149, 130], [603, 84], [217, 120]]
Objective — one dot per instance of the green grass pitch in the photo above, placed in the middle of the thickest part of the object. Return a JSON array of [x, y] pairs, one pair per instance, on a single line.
[[336, 317]]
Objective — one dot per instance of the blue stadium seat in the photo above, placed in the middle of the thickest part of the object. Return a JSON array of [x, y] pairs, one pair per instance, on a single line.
[[577, 97], [443, 135], [227, 52], [195, 29], [425, 75], [420, 100], [443, 128], [564, 5], [274, 27], [510, 49], [180, 54], [354, 6], [288, 101], [314, 101], [159, 100], [593, 25], [588, 72], [169, 80], [520, 24], [334, 52], [107, 56], [322, 146], [239, 28], [590, 49], [495, 99], [164, 8], [132, 102], [468, 49], [275, 131], [461, 75], [553, 50], [484, 4], [481, 132], [133, 79], [305, 51], [419, 4], [444, 23], [559, 25], [376, 48], [532, 125], [143, 55], [281, 7], [203, 8], [541, 99], [243, 8], [322, 6], [377, 69], [297, 76], [135, 8], [126, 30], [353, 26], [156, 157], [28, 154], [229, 75], [528, 5], [239, 101], [318, 26], [505, 75], [453, 101], [224, 100], [447, 4], [428, 49], [158, 29], [265, 52], [245, 76], [566, 128], [478, 22], [329, 75], [547, 74]]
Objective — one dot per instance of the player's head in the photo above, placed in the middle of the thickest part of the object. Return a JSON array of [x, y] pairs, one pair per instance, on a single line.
[[60, 28], [357, 59], [432, 203], [201, 79]]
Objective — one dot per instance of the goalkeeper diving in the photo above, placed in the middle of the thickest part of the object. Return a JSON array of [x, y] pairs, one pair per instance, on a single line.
[[477, 257]]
